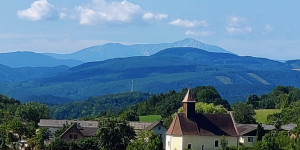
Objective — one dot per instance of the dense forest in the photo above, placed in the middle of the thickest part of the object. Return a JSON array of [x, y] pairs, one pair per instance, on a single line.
[[20, 120], [96, 106], [235, 77]]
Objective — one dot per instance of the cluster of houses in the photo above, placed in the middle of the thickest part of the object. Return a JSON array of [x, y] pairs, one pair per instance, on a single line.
[[188, 130]]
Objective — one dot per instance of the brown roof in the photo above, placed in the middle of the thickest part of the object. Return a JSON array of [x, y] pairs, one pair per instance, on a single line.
[[246, 128], [88, 131], [72, 127], [154, 124], [203, 124], [85, 131], [189, 97]]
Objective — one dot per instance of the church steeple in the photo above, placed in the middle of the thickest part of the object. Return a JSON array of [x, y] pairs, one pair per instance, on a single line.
[[189, 104]]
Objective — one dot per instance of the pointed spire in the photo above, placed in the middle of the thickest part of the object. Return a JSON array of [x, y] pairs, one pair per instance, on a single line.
[[189, 97]]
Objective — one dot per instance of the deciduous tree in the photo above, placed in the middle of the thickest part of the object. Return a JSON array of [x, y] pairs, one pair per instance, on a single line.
[[146, 140], [243, 113], [114, 133]]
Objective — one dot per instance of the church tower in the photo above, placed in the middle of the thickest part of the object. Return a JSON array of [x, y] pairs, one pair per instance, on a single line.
[[189, 104]]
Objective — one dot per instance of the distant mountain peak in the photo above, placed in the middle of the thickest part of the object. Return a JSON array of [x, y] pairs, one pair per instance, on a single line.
[[117, 50], [189, 40]]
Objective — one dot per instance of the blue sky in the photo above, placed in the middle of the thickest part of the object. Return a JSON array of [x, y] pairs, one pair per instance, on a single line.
[[263, 28]]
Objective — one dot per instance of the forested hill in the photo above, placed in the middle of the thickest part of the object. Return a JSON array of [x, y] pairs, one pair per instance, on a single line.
[[9, 74], [31, 59], [141, 103], [93, 106], [235, 77]]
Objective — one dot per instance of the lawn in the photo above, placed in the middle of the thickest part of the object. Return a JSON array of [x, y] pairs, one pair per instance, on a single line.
[[262, 114], [150, 118]]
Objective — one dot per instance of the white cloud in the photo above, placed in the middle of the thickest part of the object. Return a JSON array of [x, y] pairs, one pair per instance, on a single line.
[[161, 16], [201, 33], [268, 28], [100, 11], [148, 16], [189, 23], [39, 10], [151, 16], [237, 25], [103, 12], [95, 12]]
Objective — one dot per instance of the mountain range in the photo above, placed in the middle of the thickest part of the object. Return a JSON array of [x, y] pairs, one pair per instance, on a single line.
[[31, 59], [95, 53], [116, 50], [235, 77], [8, 74]]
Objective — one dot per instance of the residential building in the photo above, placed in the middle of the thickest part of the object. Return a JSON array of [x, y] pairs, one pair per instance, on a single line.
[[156, 127], [247, 134], [76, 132]]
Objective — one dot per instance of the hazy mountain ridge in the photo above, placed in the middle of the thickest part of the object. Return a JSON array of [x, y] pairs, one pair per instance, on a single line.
[[235, 77], [31, 59], [8, 74], [116, 50]]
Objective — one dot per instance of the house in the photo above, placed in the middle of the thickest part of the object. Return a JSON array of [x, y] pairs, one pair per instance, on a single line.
[[54, 125], [247, 134], [80, 129], [76, 132], [157, 128], [190, 130], [286, 127]]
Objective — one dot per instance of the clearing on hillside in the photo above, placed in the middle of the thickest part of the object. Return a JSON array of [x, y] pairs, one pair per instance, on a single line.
[[150, 118], [262, 114]]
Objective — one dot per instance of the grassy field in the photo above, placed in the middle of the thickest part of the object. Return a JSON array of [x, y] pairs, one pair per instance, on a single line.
[[150, 118], [261, 114]]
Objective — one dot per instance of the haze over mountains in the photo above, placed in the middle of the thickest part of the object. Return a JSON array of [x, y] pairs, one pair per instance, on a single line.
[[235, 77], [116, 50], [31, 59]]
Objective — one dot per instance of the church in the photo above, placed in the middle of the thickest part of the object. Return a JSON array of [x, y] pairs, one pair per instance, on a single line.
[[190, 130]]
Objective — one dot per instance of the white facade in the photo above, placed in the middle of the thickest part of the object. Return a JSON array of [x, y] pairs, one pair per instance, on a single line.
[[198, 142], [161, 131]]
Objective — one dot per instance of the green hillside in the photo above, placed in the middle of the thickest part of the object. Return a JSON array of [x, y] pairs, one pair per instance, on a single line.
[[150, 118], [262, 114], [235, 77]]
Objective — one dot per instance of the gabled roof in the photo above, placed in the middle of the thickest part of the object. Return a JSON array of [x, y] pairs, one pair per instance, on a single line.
[[154, 124], [72, 127], [288, 127], [203, 124], [189, 97], [84, 131], [88, 131], [244, 129]]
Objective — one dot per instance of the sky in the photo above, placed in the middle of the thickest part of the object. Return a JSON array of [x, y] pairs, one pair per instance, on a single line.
[[260, 28]]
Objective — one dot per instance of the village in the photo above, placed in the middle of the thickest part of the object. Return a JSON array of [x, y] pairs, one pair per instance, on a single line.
[[188, 130]]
